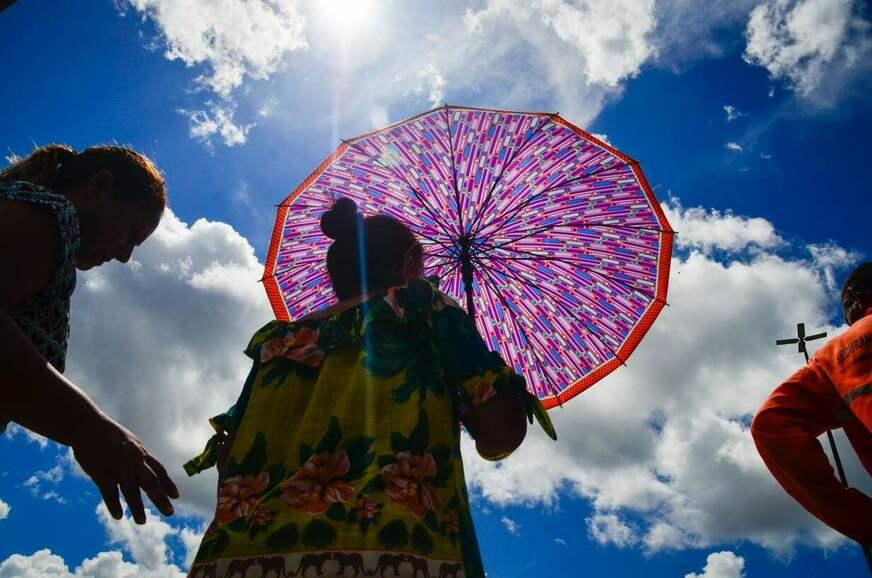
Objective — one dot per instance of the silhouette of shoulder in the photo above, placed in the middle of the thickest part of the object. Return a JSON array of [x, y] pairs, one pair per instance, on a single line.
[[29, 250]]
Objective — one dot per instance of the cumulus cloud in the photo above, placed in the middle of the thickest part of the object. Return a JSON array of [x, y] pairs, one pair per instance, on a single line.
[[721, 565], [664, 442], [233, 40], [734, 146], [158, 342], [579, 52], [815, 46], [607, 529], [146, 546], [4, 510], [708, 230]]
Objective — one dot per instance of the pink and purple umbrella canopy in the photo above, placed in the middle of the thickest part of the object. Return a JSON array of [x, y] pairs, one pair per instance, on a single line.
[[552, 238]]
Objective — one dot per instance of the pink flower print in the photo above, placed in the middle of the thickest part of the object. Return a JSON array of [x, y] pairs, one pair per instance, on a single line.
[[238, 496], [315, 487], [409, 481]]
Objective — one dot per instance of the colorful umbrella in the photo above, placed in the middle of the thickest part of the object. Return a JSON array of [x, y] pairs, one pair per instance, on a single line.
[[550, 235]]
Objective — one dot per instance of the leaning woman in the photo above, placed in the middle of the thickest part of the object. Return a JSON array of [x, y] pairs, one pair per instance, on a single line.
[[61, 211], [342, 455]]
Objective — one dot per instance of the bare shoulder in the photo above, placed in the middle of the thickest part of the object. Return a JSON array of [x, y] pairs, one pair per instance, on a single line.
[[29, 248]]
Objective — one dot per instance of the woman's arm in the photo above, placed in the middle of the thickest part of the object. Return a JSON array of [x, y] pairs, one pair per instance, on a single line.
[[36, 396]]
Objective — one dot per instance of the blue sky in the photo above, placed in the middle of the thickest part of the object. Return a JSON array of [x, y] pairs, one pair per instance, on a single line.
[[749, 119]]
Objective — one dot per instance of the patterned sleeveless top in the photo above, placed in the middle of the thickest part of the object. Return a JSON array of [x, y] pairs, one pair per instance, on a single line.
[[45, 317]]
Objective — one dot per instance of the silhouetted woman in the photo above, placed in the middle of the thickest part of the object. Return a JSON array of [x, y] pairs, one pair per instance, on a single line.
[[344, 446], [61, 211]]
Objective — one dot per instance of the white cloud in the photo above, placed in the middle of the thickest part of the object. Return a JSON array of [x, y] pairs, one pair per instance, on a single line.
[[512, 527], [733, 113], [815, 46], [218, 121], [4, 510], [831, 258], [52, 477], [146, 545], [721, 565], [709, 230], [13, 430], [431, 84], [560, 541], [664, 442], [733, 146], [158, 342], [607, 529], [571, 55], [234, 40]]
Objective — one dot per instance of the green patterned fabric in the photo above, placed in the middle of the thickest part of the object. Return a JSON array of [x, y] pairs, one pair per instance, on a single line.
[[346, 457], [45, 317]]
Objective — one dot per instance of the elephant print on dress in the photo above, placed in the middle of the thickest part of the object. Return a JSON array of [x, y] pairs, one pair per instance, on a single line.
[[386, 561], [450, 570], [419, 565], [315, 561]]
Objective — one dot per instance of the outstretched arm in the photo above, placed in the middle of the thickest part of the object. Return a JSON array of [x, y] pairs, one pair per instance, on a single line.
[[35, 395]]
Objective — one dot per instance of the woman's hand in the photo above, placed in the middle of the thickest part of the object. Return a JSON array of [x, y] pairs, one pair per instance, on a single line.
[[114, 458], [498, 425]]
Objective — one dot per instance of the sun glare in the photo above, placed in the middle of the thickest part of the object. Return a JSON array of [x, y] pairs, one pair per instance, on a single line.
[[347, 18]]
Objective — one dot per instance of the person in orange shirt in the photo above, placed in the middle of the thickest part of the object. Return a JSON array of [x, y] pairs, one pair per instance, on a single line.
[[834, 390]]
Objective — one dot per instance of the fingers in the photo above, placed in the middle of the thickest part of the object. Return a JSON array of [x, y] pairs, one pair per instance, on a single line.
[[149, 481], [165, 481], [109, 492], [130, 489]]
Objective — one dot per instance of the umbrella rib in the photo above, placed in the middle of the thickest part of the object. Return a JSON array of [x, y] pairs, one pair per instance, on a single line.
[[408, 184], [517, 277], [295, 265], [477, 221], [442, 261], [453, 169], [435, 240], [547, 378], [559, 303], [450, 272], [581, 224], [548, 189], [568, 260]]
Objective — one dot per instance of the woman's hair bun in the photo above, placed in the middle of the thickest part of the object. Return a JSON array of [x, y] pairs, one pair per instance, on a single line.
[[342, 220]]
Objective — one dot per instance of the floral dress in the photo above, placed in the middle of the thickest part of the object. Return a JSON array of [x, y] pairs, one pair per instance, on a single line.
[[346, 459]]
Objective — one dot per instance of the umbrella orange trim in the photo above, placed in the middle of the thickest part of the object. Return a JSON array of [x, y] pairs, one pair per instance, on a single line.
[[272, 286], [659, 301]]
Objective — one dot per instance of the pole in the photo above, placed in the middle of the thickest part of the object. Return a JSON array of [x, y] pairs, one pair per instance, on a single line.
[[842, 477], [801, 340], [466, 274]]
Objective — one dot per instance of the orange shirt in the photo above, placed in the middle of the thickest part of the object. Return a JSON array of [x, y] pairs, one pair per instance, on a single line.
[[833, 391]]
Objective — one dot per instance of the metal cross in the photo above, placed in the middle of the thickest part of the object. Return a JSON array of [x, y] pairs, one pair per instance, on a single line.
[[801, 339]]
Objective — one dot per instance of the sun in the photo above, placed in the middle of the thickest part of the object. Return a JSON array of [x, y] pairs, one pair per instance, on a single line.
[[347, 18]]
